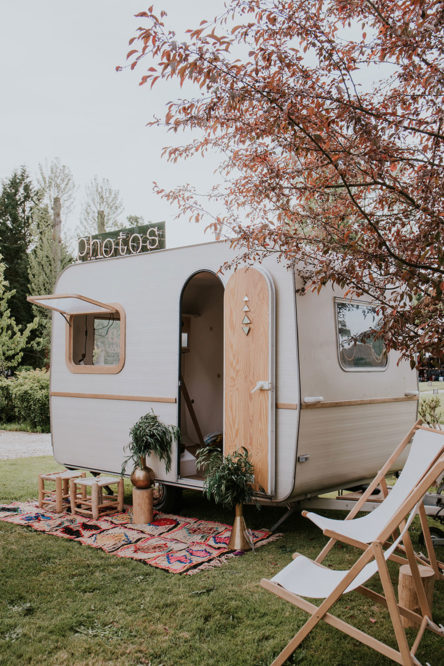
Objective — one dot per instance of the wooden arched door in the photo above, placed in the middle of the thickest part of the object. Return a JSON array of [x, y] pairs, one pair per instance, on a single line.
[[249, 370]]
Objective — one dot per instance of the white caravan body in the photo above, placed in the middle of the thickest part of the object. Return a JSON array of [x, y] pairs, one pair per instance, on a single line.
[[256, 362]]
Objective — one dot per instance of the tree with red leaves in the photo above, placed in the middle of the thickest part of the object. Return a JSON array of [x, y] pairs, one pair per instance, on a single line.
[[329, 115]]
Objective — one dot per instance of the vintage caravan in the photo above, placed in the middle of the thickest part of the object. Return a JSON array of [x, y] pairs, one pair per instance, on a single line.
[[291, 377]]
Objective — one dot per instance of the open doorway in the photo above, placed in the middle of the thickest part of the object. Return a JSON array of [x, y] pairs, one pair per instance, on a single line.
[[201, 368]]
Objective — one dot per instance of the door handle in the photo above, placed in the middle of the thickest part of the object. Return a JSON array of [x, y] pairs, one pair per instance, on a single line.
[[261, 386], [313, 399]]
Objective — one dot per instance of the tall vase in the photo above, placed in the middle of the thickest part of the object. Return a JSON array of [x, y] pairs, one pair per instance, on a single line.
[[142, 476], [239, 539]]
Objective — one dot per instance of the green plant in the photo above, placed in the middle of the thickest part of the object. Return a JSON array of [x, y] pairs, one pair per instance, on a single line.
[[430, 411], [150, 436], [229, 479], [30, 395]]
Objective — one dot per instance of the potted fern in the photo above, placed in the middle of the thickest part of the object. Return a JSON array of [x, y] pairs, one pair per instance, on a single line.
[[149, 436], [229, 481]]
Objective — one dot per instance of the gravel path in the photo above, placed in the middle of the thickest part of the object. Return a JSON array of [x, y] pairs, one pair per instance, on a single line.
[[24, 444]]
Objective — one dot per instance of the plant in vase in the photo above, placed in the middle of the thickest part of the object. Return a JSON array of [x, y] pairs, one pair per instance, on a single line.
[[229, 481], [149, 436]]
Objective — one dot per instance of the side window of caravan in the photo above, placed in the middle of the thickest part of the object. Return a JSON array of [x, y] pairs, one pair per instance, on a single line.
[[358, 347], [96, 343]]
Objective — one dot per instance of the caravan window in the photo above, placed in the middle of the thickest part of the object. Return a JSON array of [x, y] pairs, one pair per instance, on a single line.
[[358, 347], [97, 342]]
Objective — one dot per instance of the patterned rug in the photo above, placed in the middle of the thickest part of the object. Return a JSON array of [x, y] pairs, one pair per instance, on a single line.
[[173, 543]]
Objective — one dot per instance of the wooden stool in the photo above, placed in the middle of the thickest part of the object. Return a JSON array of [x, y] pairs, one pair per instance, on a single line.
[[142, 506], [61, 492], [95, 505], [407, 592]]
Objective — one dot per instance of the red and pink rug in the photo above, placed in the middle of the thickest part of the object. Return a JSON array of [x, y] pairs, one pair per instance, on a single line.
[[173, 543]]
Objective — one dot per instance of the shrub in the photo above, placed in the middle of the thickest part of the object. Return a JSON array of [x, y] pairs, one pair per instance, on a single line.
[[30, 395], [430, 411], [7, 413]]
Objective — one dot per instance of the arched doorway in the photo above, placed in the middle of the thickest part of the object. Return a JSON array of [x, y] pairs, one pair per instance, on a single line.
[[201, 366]]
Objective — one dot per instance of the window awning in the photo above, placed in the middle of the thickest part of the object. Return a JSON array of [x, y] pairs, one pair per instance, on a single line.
[[71, 304]]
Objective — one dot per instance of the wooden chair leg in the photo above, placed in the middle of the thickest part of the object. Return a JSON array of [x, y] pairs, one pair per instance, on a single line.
[[428, 542], [41, 489], [72, 495], [95, 498], [59, 499], [392, 606], [120, 495]]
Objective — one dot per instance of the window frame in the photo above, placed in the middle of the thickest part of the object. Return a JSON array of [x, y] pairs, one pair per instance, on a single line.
[[337, 300], [96, 369]]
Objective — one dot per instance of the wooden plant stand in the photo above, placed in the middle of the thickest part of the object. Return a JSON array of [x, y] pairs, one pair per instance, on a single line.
[[407, 593], [142, 506]]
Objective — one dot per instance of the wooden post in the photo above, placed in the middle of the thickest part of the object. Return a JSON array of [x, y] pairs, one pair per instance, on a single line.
[[142, 506], [407, 593]]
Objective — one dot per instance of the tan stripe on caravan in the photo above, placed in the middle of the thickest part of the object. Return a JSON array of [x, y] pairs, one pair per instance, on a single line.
[[279, 405], [109, 396], [352, 403]]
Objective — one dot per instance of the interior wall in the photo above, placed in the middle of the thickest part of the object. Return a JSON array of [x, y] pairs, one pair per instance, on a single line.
[[202, 365]]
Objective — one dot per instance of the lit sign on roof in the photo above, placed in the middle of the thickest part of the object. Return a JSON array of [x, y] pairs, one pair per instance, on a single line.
[[123, 242]]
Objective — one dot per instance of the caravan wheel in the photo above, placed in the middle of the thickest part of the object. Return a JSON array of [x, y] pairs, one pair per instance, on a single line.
[[167, 498]]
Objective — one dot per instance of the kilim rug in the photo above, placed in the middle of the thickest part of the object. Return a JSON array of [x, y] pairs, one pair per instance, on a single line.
[[173, 543]]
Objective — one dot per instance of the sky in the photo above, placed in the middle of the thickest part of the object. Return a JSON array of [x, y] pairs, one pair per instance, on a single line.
[[62, 98]]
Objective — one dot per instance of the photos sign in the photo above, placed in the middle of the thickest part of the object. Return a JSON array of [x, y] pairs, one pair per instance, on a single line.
[[123, 242]]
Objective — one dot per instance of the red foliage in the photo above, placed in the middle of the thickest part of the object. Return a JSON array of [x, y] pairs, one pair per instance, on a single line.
[[330, 117]]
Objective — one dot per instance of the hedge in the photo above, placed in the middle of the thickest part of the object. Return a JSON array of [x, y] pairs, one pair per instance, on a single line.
[[25, 398]]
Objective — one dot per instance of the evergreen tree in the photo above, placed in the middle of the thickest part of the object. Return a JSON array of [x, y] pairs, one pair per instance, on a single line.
[[17, 201], [12, 339], [44, 266]]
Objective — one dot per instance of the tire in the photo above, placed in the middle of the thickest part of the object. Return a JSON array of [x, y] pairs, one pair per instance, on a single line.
[[167, 499]]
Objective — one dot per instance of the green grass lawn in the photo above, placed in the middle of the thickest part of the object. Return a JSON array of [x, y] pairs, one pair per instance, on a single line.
[[429, 386], [64, 603]]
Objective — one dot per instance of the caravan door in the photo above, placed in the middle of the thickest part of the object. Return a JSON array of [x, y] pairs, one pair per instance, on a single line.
[[249, 369]]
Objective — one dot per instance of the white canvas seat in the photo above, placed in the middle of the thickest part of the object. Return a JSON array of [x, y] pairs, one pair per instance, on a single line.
[[305, 578], [311, 579]]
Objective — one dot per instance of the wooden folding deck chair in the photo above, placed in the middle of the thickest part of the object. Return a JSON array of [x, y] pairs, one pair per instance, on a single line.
[[427, 444], [307, 578]]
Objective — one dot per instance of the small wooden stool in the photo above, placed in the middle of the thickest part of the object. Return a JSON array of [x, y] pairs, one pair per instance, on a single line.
[[407, 591], [95, 505], [51, 496]]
